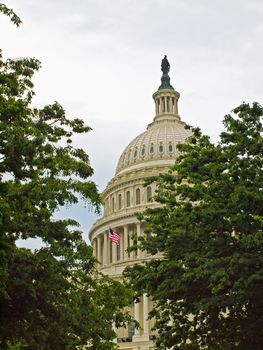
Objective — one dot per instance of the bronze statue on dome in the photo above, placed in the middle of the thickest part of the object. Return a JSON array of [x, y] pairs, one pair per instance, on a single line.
[[165, 65]]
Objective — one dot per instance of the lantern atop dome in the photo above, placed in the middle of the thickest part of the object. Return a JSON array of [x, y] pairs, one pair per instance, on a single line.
[[166, 97]]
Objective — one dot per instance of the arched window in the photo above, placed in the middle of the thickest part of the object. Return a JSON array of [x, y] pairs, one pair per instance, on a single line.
[[135, 153], [143, 151], [128, 199], [151, 149], [170, 147], [161, 148], [149, 193], [138, 196], [119, 201], [112, 204]]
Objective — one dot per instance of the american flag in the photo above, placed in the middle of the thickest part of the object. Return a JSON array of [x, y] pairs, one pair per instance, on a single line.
[[114, 236]]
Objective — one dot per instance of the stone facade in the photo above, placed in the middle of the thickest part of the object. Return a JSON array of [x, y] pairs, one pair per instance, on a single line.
[[149, 154]]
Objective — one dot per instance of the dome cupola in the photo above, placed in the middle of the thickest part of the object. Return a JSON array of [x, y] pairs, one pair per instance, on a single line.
[[166, 98]]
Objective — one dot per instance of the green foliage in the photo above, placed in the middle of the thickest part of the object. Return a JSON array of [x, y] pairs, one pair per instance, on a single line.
[[52, 298], [11, 14], [207, 286], [60, 303]]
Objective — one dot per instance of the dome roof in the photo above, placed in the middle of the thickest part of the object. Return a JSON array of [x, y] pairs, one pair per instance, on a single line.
[[158, 142]]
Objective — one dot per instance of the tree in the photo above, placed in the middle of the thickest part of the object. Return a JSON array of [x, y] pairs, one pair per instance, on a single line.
[[207, 279], [52, 298]]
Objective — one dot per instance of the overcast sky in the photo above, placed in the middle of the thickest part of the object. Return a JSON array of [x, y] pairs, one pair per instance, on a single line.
[[101, 61]]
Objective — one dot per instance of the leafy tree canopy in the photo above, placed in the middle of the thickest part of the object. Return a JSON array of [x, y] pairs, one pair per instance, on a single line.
[[52, 298], [207, 283]]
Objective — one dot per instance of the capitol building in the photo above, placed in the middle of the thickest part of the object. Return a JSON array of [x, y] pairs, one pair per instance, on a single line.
[[150, 153]]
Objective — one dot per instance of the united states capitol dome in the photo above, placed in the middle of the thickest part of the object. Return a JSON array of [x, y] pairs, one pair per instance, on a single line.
[[126, 194]]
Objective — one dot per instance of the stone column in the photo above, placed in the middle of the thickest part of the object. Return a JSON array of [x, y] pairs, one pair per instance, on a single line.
[[109, 248], [156, 107], [115, 330], [114, 252], [170, 104], [125, 242], [176, 105], [145, 315], [166, 104], [137, 318], [105, 249], [121, 245], [99, 248], [94, 247]]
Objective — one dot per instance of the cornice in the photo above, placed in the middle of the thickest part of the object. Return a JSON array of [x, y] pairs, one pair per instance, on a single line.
[[118, 219], [111, 268], [134, 176]]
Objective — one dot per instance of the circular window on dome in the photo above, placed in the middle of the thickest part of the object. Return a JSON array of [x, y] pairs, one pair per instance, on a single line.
[[143, 151], [151, 150], [161, 148], [170, 147]]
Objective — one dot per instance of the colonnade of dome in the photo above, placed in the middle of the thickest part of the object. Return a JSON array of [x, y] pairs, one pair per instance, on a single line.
[[148, 154]]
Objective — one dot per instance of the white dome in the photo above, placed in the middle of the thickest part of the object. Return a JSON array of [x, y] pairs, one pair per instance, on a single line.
[[158, 142]]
